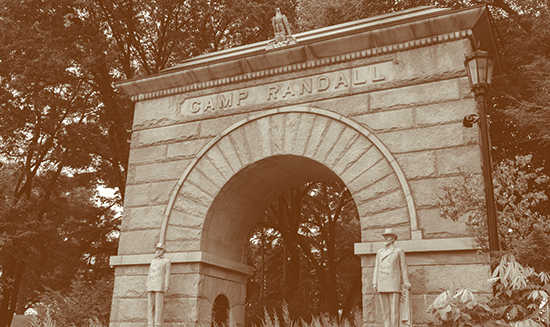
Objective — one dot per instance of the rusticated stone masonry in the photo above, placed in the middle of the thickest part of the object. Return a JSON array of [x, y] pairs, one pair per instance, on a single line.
[[213, 145]]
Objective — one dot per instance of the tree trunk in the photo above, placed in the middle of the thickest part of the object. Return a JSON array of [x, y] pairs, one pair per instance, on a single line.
[[8, 273], [12, 272], [349, 302]]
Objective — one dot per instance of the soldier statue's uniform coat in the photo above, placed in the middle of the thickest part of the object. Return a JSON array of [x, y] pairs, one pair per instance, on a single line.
[[390, 271], [159, 275]]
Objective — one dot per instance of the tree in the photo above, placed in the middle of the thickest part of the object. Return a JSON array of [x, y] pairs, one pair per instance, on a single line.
[[84, 302], [65, 129], [520, 112], [150, 35], [307, 241], [520, 193], [56, 143]]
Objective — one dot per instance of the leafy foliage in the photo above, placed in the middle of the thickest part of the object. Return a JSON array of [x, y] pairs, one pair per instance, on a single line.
[[303, 254], [85, 303], [283, 318], [521, 299], [459, 308], [521, 194], [65, 128]]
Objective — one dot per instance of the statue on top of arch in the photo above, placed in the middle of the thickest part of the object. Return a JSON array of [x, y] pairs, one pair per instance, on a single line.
[[281, 28]]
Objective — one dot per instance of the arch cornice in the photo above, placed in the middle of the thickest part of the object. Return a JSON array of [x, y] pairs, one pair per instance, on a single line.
[[170, 78], [415, 232]]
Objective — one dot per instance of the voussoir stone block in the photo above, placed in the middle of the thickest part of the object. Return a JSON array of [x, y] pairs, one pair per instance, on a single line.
[[333, 131], [276, 124], [357, 149], [320, 127], [263, 141], [238, 140], [292, 124], [190, 207], [304, 134], [360, 166], [344, 142], [179, 218], [371, 183], [253, 135], [218, 160]]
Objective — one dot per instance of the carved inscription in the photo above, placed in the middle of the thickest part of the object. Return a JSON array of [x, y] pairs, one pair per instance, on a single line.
[[285, 90], [217, 101]]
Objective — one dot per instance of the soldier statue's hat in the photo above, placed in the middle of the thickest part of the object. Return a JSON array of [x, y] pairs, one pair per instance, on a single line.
[[389, 231]]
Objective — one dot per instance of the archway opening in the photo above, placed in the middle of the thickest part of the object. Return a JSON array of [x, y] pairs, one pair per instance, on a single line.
[[220, 312], [243, 200], [295, 222], [302, 252]]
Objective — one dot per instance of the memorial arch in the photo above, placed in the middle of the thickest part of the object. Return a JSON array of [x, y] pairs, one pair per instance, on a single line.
[[235, 177], [376, 104]]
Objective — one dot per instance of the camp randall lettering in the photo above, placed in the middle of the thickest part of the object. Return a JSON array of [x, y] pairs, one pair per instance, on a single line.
[[328, 82]]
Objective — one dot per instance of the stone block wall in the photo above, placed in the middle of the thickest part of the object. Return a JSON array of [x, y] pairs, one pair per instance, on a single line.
[[416, 112], [182, 306]]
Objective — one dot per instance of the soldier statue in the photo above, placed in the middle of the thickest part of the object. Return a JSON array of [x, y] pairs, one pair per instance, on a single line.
[[158, 281], [391, 281]]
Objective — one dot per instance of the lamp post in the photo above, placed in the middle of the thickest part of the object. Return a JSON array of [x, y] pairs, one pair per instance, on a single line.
[[479, 67]]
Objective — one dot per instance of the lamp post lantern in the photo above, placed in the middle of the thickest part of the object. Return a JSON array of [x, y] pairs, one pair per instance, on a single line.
[[479, 67]]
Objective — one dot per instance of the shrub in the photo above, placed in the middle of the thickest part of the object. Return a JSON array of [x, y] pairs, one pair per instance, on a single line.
[[520, 300]]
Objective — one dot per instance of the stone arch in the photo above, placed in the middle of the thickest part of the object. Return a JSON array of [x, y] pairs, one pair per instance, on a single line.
[[222, 181]]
